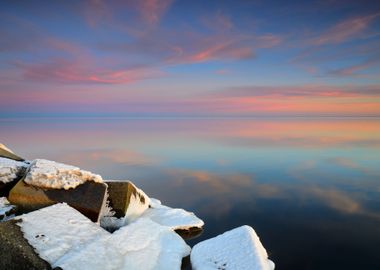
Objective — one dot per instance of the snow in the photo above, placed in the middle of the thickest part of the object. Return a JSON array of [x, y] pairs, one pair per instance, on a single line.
[[140, 245], [54, 230], [9, 169], [136, 207], [50, 174], [5, 207], [173, 218], [67, 239], [238, 249]]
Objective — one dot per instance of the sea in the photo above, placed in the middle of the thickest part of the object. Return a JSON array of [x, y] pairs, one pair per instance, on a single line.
[[310, 187]]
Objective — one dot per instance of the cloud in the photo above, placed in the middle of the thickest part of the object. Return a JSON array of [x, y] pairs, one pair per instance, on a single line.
[[349, 29], [312, 90], [354, 70], [62, 70], [152, 10]]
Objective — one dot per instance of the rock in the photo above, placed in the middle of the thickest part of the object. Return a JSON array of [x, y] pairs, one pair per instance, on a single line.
[[126, 200], [7, 153], [238, 249], [10, 172], [15, 251], [50, 174], [6, 209], [87, 198]]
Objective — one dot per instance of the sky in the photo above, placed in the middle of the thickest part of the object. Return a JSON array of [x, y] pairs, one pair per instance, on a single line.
[[151, 58]]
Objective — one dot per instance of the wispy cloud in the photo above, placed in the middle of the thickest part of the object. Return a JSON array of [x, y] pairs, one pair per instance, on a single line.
[[349, 29]]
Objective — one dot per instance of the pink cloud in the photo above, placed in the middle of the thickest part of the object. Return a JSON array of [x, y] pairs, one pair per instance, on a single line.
[[72, 71], [345, 30], [152, 10]]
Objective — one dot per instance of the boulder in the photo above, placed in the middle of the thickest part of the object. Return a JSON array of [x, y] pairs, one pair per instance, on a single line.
[[7, 153], [15, 251], [125, 199], [50, 174], [10, 172], [238, 249], [87, 198]]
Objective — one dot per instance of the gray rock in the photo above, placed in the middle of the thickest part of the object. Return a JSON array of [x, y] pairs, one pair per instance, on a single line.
[[15, 251], [87, 198]]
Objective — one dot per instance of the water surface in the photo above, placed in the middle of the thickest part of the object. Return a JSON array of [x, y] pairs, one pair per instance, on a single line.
[[309, 187]]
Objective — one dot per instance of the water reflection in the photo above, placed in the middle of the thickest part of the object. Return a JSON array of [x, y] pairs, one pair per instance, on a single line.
[[310, 188]]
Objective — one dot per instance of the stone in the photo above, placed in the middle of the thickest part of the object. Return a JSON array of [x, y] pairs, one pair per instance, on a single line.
[[7, 153], [87, 198], [125, 199], [237, 249], [10, 172], [15, 251]]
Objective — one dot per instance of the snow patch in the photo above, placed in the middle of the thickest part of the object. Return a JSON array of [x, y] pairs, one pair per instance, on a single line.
[[10, 169], [55, 230], [174, 218], [50, 174], [238, 249], [141, 245]]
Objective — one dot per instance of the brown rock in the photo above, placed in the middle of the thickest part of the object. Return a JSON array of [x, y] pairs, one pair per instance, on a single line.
[[15, 251], [122, 194], [87, 198]]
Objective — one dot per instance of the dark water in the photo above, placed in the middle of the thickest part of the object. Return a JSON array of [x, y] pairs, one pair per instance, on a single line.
[[309, 187]]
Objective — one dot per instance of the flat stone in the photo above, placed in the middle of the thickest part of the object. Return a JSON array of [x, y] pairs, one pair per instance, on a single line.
[[125, 199], [7, 153], [87, 198], [15, 251]]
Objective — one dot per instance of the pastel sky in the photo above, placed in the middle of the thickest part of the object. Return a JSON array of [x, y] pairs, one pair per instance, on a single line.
[[189, 58]]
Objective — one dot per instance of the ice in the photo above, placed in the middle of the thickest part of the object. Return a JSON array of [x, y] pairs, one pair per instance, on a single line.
[[56, 229], [174, 218], [50, 174], [143, 244], [10, 169], [238, 249]]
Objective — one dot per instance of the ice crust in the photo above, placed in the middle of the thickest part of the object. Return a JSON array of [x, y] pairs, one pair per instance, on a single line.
[[50, 174], [9, 169], [238, 249]]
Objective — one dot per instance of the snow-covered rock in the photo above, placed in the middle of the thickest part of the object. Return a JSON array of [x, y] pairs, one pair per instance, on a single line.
[[126, 202], [174, 218], [50, 174], [238, 249], [143, 244], [5, 209], [11, 169], [55, 230]]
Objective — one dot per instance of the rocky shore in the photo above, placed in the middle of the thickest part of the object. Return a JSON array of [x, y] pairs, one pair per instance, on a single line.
[[58, 216]]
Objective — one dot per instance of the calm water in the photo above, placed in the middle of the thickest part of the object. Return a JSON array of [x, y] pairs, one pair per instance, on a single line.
[[309, 187]]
